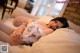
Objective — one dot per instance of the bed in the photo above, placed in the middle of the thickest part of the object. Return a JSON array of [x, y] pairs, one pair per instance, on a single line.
[[62, 40]]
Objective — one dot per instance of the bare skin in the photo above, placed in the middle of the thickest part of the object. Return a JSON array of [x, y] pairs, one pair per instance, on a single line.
[[46, 28], [16, 39]]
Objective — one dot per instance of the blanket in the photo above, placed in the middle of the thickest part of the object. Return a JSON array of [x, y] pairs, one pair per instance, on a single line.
[[60, 41]]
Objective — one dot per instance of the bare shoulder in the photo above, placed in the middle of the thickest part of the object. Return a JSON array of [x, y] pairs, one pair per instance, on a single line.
[[48, 31]]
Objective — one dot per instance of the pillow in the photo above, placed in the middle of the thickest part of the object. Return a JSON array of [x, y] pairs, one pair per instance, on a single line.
[[62, 34], [45, 19], [62, 40]]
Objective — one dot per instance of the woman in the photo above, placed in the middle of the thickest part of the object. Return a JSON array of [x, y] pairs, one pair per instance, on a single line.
[[28, 33]]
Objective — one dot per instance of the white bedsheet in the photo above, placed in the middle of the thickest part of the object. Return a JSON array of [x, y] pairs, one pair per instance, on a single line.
[[60, 41]]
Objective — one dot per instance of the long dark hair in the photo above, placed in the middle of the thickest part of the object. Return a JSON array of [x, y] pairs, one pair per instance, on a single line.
[[62, 20]]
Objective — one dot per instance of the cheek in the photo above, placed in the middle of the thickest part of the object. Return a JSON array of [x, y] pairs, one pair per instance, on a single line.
[[51, 25]]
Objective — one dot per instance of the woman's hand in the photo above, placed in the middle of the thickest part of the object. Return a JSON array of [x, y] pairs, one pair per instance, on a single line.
[[19, 30], [19, 36], [16, 39]]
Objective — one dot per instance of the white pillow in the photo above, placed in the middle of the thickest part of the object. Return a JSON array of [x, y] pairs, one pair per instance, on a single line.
[[45, 19], [62, 34], [62, 40]]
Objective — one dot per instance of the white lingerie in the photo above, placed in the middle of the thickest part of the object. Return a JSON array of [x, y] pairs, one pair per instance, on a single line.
[[32, 32]]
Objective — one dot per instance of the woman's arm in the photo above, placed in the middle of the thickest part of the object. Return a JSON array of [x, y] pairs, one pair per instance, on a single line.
[[19, 30], [6, 38]]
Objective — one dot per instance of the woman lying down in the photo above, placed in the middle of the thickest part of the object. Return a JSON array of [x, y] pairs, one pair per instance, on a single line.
[[29, 33]]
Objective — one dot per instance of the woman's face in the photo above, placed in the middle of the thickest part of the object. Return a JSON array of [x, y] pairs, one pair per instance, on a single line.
[[55, 24]]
